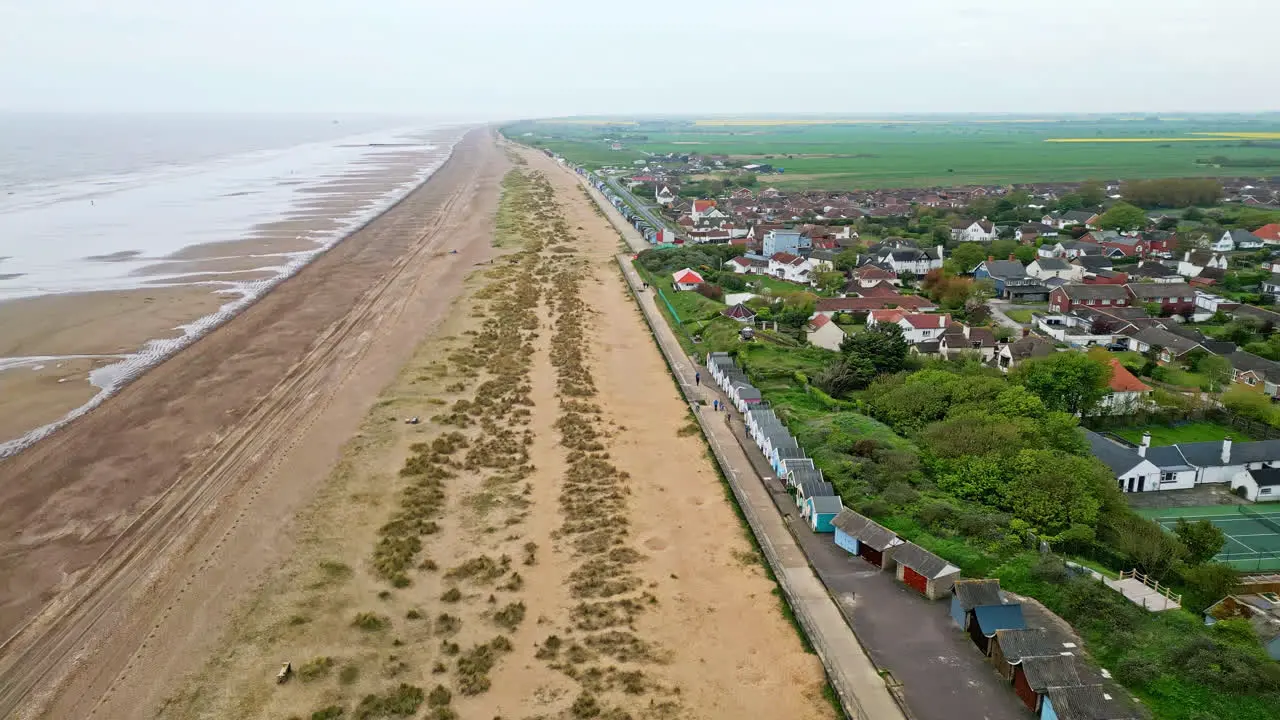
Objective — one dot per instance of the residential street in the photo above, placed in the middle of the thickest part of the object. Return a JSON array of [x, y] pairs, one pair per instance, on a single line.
[[997, 313], [640, 207]]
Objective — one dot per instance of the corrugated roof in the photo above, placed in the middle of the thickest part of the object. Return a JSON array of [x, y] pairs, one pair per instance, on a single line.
[[1019, 643], [878, 537], [923, 561], [804, 474], [827, 504], [850, 522], [789, 452], [998, 617], [1087, 702], [1050, 671], [973, 593], [815, 488]]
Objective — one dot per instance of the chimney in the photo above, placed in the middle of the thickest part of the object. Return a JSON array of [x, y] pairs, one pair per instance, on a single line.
[[939, 249], [1012, 256], [991, 258], [1146, 443], [1187, 256], [1226, 450]]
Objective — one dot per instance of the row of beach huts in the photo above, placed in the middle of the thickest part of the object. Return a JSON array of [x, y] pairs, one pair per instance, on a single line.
[[1043, 673]]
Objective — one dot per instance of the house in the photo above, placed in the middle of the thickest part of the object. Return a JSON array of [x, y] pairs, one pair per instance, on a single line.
[[664, 196], [1064, 298], [1073, 249], [1072, 217], [1083, 702], [1185, 465], [1194, 264], [986, 620], [748, 264], [1238, 239], [1011, 279], [821, 511], [969, 594], [1271, 285], [866, 538], [1033, 677], [1044, 268], [1254, 372], [974, 231], [1134, 472], [1208, 304], [686, 279], [925, 572], [1128, 394], [1031, 231], [1154, 272], [1026, 348], [823, 332], [1173, 298], [740, 312], [868, 275], [1261, 485], [785, 241], [1172, 346], [792, 268], [960, 338], [1268, 234], [1009, 647], [1262, 610], [705, 209], [909, 259], [823, 260], [919, 327]]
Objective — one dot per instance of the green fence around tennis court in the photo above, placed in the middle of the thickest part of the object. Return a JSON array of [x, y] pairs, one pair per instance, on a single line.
[[1253, 534]]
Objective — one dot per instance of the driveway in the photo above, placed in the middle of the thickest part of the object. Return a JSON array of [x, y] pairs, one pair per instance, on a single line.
[[997, 312]]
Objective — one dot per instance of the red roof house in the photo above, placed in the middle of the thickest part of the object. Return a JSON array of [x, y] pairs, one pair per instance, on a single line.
[[686, 279], [1269, 234]]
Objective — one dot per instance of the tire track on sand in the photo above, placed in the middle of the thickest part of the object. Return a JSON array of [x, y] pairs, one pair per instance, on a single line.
[[43, 652]]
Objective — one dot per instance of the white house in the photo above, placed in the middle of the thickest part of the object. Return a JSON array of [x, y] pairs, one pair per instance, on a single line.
[[1262, 485], [1242, 239], [977, 231], [824, 333], [1128, 394], [790, 267], [748, 264], [1207, 304], [664, 196], [1134, 471], [686, 279], [1224, 244], [1194, 263], [1043, 268], [909, 259], [919, 327], [1249, 465], [704, 209]]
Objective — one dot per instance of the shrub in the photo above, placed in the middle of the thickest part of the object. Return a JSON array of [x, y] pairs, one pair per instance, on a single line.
[[707, 290], [585, 706], [413, 614], [315, 668], [1137, 671], [451, 595], [348, 674], [330, 713], [371, 622], [403, 700], [440, 695], [1050, 568]]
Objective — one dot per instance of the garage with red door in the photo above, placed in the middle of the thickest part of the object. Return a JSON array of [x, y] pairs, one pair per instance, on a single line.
[[924, 572], [915, 580]]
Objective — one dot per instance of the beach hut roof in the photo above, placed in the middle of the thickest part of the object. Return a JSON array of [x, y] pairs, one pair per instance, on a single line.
[[850, 522], [748, 393], [868, 532], [1049, 671], [973, 593], [815, 488], [1016, 644], [826, 504], [803, 474], [923, 561], [790, 452], [999, 617]]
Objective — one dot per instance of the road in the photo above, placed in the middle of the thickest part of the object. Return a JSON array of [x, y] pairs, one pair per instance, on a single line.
[[997, 312], [654, 219]]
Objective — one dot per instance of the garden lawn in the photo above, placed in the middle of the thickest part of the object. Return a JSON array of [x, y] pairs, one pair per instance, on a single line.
[[1184, 378], [1019, 316], [1184, 433]]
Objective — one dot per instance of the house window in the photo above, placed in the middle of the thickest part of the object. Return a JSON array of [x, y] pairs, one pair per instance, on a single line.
[[1106, 302], [1250, 380], [1168, 477], [1264, 491]]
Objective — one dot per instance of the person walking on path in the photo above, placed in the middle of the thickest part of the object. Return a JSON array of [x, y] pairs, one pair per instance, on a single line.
[[697, 378]]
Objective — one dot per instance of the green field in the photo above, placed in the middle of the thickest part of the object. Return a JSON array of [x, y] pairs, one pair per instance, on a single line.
[[1186, 433], [959, 152]]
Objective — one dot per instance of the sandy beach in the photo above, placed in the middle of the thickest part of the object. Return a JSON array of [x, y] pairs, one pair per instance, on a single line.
[[185, 287]]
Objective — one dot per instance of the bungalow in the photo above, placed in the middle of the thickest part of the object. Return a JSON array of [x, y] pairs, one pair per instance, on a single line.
[[1171, 345], [1269, 234], [1083, 702], [918, 327], [986, 620], [1238, 239], [1154, 272], [1011, 279], [1133, 471], [823, 332], [1194, 264], [1065, 298], [821, 511], [969, 594], [865, 538], [925, 572], [1026, 348], [868, 275], [748, 264], [1031, 231], [1261, 610], [1271, 285], [1045, 268], [1255, 372], [686, 279], [1185, 465], [789, 267], [831, 306], [1091, 264], [1173, 298], [1073, 249], [1009, 647], [1033, 677], [740, 312], [964, 339], [974, 231], [1072, 217], [1128, 394], [1261, 485], [1208, 304]]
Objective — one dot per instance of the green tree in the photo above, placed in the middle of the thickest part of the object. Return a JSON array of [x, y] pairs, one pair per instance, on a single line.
[[830, 281], [1202, 539], [844, 375], [1025, 254], [978, 478], [1217, 372], [1209, 583], [1153, 309], [1052, 490], [846, 260], [1092, 193], [966, 256], [1002, 249], [1069, 381], [882, 344], [1145, 544], [1249, 403], [1123, 216]]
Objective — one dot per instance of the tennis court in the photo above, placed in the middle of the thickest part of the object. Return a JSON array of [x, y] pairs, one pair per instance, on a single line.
[[1253, 533]]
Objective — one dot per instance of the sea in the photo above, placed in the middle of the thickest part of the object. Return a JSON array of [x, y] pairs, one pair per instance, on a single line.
[[88, 202]]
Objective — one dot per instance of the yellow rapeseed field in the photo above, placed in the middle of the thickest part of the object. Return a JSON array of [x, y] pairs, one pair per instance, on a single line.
[[1198, 137]]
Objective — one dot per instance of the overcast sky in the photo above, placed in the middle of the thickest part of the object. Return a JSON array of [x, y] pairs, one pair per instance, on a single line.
[[523, 58]]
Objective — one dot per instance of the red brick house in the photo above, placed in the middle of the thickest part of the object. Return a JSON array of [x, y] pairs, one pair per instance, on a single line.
[[1063, 299], [1106, 277], [1173, 298]]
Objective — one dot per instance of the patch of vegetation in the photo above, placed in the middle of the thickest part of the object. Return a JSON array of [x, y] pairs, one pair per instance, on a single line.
[[315, 668], [371, 622], [474, 666], [332, 712], [402, 701], [349, 674], [510, 616]]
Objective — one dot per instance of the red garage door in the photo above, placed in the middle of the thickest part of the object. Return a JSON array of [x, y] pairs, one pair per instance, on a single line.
[[915, 579], [1023, 690], [871, 555]]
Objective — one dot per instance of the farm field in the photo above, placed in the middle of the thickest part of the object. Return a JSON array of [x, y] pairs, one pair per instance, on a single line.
[[898, 153], [1186, 433]]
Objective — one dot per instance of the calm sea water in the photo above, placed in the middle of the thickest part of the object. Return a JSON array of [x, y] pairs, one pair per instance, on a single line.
[[76, 190]]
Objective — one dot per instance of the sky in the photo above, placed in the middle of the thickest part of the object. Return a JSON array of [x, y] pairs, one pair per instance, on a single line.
[[504, 59]]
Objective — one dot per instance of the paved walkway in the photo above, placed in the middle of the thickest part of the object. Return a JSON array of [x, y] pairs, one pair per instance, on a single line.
[[862, 691]]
